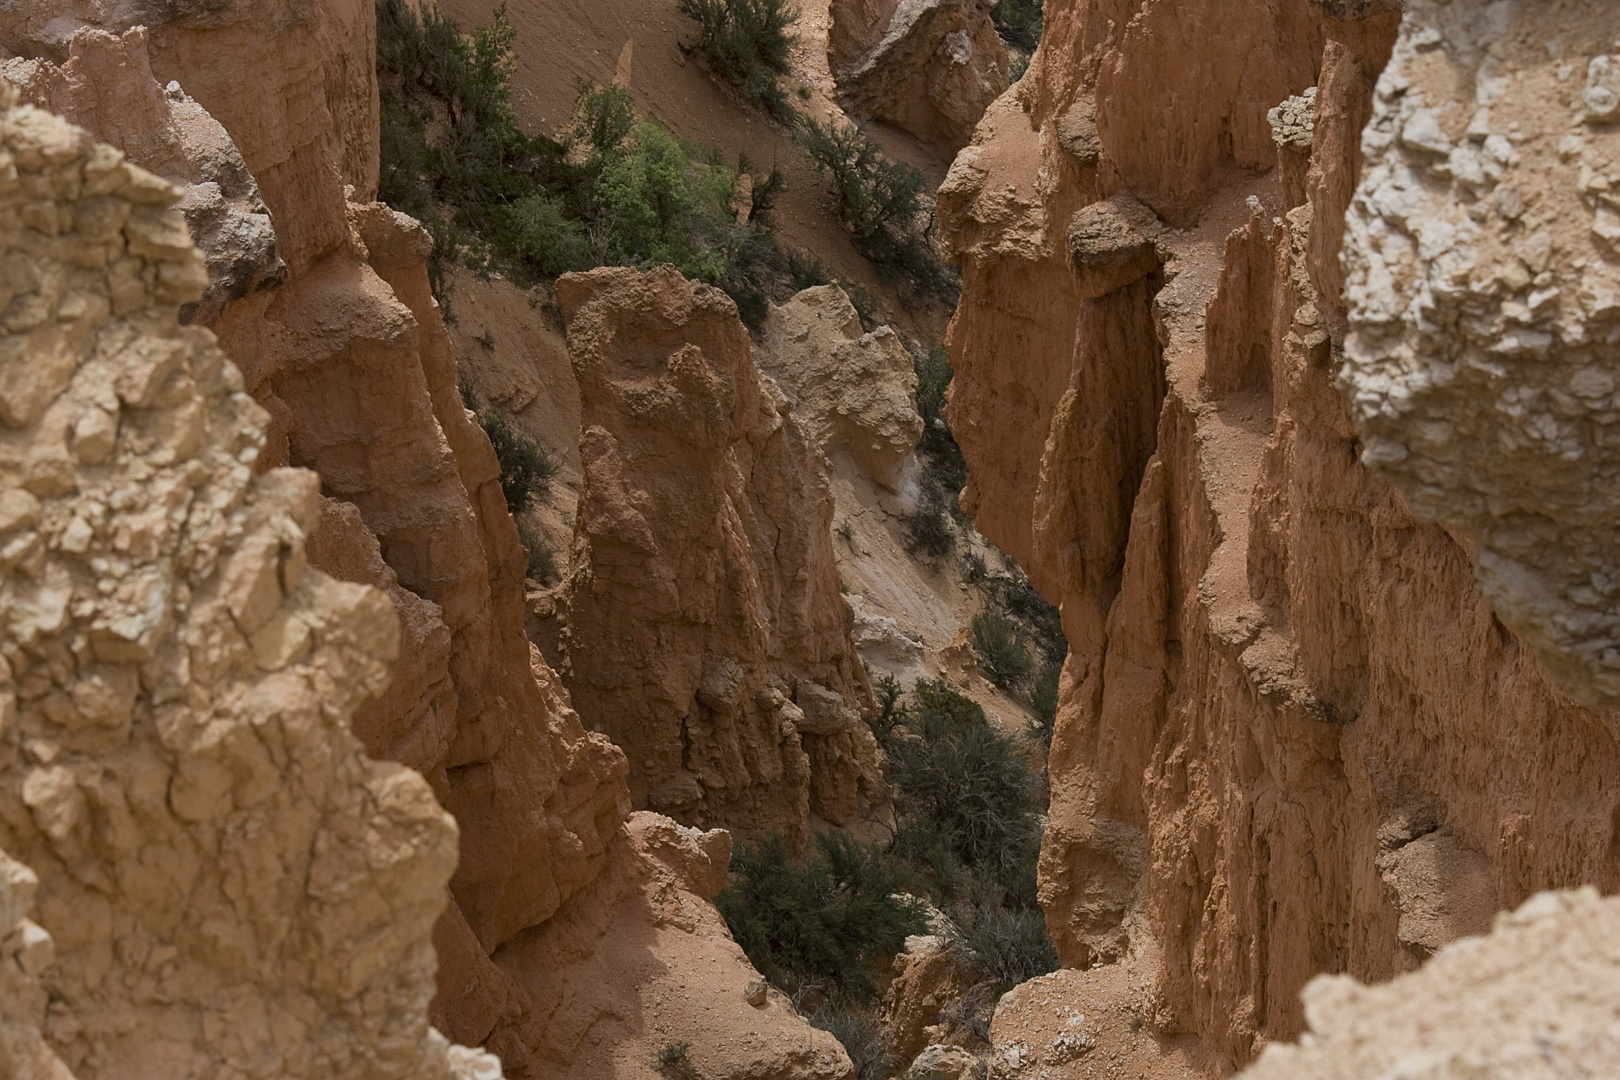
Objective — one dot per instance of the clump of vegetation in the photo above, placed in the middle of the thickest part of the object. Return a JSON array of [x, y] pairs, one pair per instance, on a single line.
[[944, 469], [887, 207], [527, 468], [966, 794], [862, 1037], [542, 559], [746, 43], [1019, 23], [1008, 945], [1001, 654], [613, 191], [672, 1062], [825, 920], [1043, 700]]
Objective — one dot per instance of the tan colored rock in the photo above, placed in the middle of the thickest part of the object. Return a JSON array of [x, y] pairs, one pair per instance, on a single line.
[[929, 66], [1537, 998], [1483, 291], [107, 87], [927, 978], [26, 950], [232, 886], [853, 392], [1275, 668], [639, 959], [704, 600]]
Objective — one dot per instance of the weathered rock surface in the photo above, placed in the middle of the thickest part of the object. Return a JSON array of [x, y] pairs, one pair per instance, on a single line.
[[706, 634], [853, 392], [107, 87], [1536, 998], [232, 886], [1292, 736], [26, 950], [1484, 302], [929, 66]]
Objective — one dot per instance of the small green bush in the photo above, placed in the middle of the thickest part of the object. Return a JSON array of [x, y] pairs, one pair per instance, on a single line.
[[1019, 23], [672, 1062], [746, 43], [1001, 654], [827, 919], [1043, 699], [862, 1037], [526, 466], [887, 206], [542, 559], [931, 534], [1008, 945], [964, 789]]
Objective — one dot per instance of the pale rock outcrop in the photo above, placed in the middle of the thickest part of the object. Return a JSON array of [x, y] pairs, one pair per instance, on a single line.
[[705, 630], [1292, 736], [853, 392], [234, 889], [1537, 998], [107, 87], [929, 66], [1484, 303]]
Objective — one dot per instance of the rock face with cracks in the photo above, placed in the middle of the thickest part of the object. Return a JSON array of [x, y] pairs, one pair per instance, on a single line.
[[232, 886], [705, 630], [1483, 254], [928, 66], [347, 352], [1292, 736], [853, 392]]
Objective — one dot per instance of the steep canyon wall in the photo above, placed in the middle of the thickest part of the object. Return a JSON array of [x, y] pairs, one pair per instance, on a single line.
[[269, 128], [1294, 737]]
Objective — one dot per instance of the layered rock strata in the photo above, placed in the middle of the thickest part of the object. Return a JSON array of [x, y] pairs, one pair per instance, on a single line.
[[232, 886], [1293, 738], [705, 630], [928, 66]]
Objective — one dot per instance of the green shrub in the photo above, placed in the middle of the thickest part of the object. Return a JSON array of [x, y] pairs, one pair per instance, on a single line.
[[931, 534], [1001, 654], [672, 1062], [526, 466], [1019, 23], [746, 43], [827, 919], [613, 192], [862, 1037], [964, 789], [1018, 598], [542, 559], [1007, 945], [1043, 699], [887, 206]]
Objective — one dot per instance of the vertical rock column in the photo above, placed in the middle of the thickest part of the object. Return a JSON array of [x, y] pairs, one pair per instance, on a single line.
[[233, 887]]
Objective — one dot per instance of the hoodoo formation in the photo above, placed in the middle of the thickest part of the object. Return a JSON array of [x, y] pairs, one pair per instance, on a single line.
[[809, 539]]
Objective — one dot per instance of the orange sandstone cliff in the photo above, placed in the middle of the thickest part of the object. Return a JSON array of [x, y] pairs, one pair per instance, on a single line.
[[269, 125], [1293, 736]]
